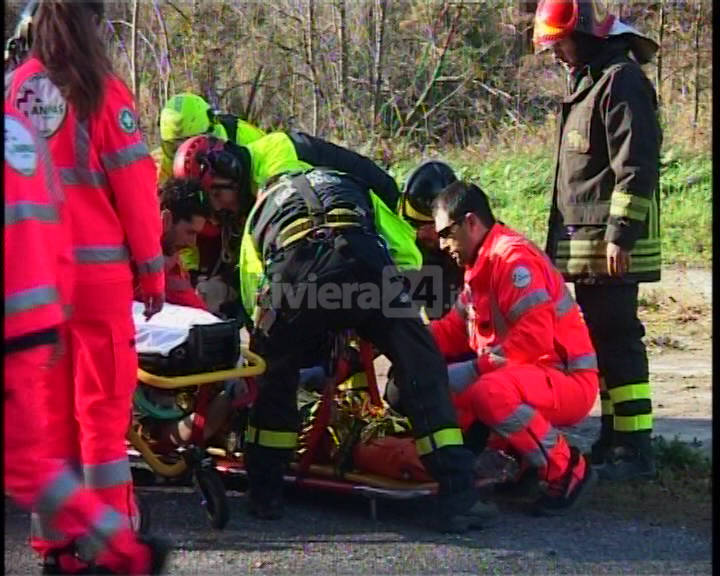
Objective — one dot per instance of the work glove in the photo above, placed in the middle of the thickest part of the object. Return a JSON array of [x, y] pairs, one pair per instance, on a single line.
[[462, 374], [214, 292]]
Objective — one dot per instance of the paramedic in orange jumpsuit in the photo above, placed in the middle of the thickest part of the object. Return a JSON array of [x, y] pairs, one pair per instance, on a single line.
[[535, 367], [67, 89], [38, 280]]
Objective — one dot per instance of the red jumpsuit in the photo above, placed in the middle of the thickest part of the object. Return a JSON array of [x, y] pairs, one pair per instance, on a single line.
[[178, 288], [38, 280], [109, 182], [536, 364]]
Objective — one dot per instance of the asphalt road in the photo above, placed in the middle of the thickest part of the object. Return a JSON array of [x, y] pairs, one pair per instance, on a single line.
[[324, 534]]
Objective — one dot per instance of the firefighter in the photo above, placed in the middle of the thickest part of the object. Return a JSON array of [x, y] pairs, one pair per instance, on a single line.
[[38, 281], [534, 366], [233, 174], [421, 188], [67, 89], [186, 115], [322, 232], [604, 227]]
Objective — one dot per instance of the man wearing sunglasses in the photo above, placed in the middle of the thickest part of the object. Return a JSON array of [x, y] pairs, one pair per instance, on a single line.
[[534, 366]]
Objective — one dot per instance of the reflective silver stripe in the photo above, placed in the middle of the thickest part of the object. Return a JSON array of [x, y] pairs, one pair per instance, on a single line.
[[51, 182], [498, 319], [539, 457], [81, 173], [41, 529], [107, 474], [101, 254], [584, 362], [22, 211], [153, 265], [107, 525], [125, 156], [565, 304], [526, 302], [78, 177], [57, 493], [30, 298], [82, 146], [517, 421]]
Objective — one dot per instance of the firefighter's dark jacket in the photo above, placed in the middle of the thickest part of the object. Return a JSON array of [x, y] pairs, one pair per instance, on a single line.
[[280, 152], [607, 172], [281, 217]]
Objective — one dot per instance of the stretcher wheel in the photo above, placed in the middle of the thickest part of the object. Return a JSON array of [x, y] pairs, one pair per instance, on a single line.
[[215, 501], [141, 523]]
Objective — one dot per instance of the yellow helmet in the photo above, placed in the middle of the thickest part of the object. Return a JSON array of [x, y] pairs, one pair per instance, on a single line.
[[184, 115]]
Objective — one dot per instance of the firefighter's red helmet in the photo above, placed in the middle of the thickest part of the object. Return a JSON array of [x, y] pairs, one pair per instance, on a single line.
[[191, 159], [557, 19]]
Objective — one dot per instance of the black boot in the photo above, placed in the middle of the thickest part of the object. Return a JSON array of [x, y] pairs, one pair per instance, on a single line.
[[266, 468], [457, 513], [603, 447], [633, 459]]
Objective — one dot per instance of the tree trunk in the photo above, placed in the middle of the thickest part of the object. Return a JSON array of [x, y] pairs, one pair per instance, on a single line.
[[696, 105], [310, 57], [342, 8], [380, 17], [658, 71], [133, 52]]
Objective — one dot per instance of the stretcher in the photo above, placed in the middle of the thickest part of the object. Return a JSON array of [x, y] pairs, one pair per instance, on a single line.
[[383, 465]]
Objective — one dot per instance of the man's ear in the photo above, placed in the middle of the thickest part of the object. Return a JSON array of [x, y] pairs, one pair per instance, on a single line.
[[166, 217]]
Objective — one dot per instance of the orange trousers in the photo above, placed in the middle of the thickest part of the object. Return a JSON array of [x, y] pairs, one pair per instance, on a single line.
[[522, 405], [90, 395], [50, 486]]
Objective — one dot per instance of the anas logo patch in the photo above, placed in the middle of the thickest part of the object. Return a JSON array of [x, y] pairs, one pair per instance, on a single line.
[[20, 150], [41, 102], [521, 277], [576, 141], [127, 122]]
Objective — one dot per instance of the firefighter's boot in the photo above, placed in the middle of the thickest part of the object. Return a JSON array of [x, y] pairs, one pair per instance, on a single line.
[[457, 513], [266, 468], [632, 459], [603, 447]]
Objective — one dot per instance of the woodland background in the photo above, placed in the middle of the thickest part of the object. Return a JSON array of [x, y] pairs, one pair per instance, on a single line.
[[404, 79]]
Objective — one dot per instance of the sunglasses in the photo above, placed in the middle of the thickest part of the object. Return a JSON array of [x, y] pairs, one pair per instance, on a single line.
[[446, 232]]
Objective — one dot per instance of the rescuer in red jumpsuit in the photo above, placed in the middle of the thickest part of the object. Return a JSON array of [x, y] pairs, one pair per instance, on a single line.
[[38, 281], [68, 91], [535, 367]]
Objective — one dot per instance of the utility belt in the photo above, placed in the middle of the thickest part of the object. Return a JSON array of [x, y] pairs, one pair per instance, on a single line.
[[307, 227]]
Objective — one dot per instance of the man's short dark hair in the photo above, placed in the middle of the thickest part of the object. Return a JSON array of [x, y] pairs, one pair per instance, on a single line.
[[184, 199], [461, 198]]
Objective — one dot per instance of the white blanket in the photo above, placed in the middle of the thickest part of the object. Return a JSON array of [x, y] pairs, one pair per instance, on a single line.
[[167, 329]]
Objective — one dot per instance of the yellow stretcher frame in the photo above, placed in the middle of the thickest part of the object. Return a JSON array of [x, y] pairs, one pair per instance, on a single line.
[[255, 367]]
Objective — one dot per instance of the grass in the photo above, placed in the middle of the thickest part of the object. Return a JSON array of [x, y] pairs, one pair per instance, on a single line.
[[681, 495], [519, 185]]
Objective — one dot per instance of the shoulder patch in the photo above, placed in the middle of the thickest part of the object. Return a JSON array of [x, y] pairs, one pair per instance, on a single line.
[[40, 100], [521, 277], [20, 149], [126, 120]]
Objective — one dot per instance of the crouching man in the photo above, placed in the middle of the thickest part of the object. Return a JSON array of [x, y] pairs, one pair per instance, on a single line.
[[535, 367]]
